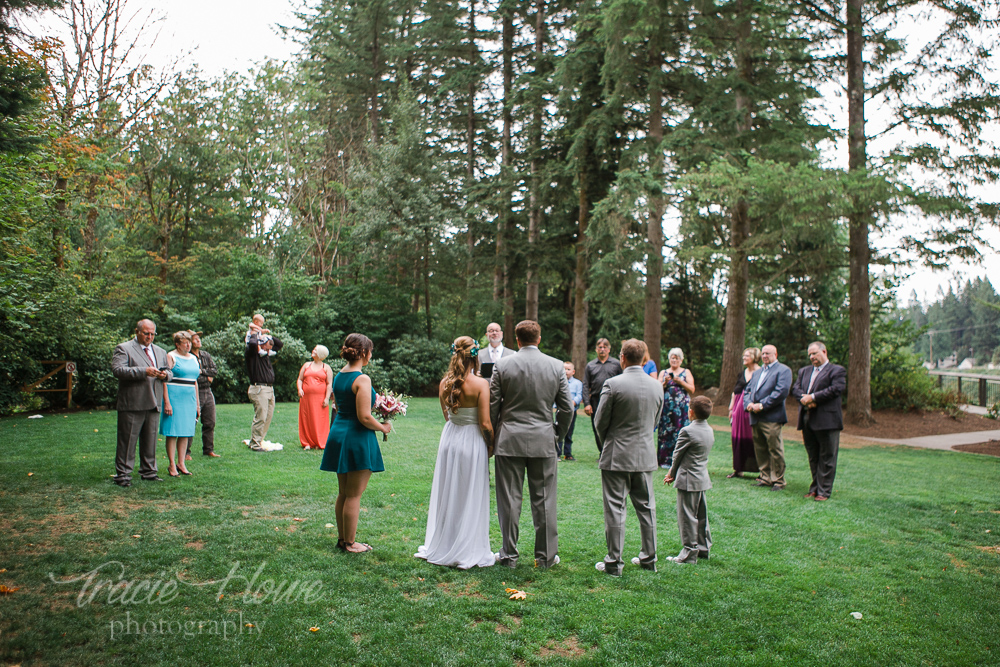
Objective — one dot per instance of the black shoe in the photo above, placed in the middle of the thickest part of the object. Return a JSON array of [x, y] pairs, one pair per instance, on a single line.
[[569, 458], [777, 488], [152, 479], [703, 555], [124, 483]]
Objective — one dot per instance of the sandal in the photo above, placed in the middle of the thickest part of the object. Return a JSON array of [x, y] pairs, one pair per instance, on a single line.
[[367, 547], [734, 474]]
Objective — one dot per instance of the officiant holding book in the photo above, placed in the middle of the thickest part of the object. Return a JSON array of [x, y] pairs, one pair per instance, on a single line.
[[494, 351]]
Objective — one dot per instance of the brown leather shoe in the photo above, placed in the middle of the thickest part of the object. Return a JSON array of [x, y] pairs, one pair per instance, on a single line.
[[820, 499], [811, 494]]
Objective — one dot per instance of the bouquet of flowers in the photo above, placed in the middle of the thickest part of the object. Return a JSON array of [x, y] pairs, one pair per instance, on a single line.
[[389, 405]]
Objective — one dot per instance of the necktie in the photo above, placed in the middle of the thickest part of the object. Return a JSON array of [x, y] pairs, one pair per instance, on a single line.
[[812, 379], [149, 355]]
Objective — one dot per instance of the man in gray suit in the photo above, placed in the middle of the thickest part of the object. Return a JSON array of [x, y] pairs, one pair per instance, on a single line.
[[690, 472], [629, 408], [764, 398], [523, 389], [137, 364]]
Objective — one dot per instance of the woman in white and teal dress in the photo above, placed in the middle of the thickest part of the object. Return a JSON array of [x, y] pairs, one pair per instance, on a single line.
[[458, 517], [180, 403]]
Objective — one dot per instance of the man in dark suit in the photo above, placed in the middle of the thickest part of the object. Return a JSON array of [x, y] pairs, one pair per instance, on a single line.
[[818, 388], [137, 363], [764, 398], [627, 413], [494, 351], [523, 389]]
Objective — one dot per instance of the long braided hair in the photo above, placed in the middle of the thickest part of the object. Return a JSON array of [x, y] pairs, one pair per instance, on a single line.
[[464, 360]]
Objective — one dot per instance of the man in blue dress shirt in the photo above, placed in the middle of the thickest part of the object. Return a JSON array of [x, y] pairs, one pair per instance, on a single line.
[[564, 447]]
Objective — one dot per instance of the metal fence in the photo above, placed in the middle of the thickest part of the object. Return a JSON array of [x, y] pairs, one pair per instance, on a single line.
[[981, 390]]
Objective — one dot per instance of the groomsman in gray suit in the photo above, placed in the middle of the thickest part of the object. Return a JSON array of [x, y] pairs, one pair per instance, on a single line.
[[137, 363], [689, 474], [523, 389], [629, 408], [818, 389]]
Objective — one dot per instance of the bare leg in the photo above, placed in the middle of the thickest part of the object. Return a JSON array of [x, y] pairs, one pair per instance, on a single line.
[[352, 485], [172, 456], [182, 447]]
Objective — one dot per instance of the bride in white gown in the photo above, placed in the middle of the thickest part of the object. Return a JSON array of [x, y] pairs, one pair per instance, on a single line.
[[458, 518]]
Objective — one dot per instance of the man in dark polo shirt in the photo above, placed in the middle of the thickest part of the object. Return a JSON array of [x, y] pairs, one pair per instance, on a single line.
[[259, 350], [594, 376]]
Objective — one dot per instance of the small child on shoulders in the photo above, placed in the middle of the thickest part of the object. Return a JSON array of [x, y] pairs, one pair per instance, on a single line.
[[257, 328]]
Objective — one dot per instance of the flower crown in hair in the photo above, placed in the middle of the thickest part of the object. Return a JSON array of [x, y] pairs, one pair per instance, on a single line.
[[473, 351]]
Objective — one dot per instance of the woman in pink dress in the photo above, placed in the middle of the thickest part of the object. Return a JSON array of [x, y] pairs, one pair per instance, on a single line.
[[315, 384]]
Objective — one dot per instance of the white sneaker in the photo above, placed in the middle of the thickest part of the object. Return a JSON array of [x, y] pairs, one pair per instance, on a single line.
[[675, 559], [601, 566]]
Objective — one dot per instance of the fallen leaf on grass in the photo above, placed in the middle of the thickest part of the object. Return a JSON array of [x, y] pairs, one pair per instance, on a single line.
[[519, 595], [137, 536], [3, 570], [329, 525], [31, 473], [297, 519], [313, 629], [857, 615], [511, 590], [249, 625], [5, 590]]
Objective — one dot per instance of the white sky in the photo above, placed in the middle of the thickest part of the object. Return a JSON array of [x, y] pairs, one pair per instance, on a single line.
[[220, 35]]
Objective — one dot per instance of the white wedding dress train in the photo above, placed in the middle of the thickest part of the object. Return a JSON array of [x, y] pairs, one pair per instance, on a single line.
[[458, 518]]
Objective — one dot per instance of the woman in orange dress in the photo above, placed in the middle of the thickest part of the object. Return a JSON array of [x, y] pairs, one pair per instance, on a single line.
[[315, 384]]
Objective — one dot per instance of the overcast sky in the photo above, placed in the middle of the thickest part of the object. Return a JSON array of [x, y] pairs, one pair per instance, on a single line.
[[220, 35]]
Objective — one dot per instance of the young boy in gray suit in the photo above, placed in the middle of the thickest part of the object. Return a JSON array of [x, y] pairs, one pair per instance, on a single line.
[[690, 471]]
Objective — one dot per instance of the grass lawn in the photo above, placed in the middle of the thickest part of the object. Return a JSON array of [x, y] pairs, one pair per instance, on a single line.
[[909, 539]]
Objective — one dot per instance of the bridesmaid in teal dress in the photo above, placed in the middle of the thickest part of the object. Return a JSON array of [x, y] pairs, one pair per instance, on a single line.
[[352, 449], [181, 407]]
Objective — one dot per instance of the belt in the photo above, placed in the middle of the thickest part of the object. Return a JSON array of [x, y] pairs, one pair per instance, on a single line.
[[260, 384]]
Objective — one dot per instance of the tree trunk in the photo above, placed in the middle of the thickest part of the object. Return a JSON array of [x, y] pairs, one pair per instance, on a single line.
[[373, 108], [734, 339], [653, 302], [579, 349], [506, 160], [859, 365], [470, 149], [736, 304], [427, 281], [534, 207]]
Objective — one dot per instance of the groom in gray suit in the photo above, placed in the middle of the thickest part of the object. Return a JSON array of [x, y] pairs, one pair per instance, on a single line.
[[522, 390], [137, 363], [629, 407]]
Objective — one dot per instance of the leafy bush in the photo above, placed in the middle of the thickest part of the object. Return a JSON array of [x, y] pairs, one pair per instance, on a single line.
[[226, 347], [898, 380], [417, 365]]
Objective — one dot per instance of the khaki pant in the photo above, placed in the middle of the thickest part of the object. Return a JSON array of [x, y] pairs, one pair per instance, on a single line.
[[769, 449], [262, 398]]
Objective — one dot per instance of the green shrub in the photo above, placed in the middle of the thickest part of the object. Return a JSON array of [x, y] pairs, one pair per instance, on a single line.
[[898, 380], [417, 365]]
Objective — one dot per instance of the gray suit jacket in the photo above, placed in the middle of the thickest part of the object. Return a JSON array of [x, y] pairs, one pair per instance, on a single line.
[[690, 469], [137, 391], [522, 390], [771, 395], [626, 416]]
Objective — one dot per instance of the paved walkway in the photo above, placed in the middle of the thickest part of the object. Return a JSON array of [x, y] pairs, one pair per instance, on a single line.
[[945, 442]]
